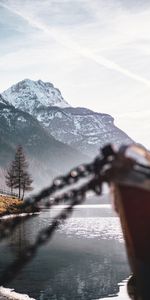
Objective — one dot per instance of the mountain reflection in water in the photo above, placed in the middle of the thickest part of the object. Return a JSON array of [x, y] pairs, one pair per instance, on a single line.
[[85, 260]]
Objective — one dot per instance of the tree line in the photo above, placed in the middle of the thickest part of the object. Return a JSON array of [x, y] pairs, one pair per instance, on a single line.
[[17, 175]]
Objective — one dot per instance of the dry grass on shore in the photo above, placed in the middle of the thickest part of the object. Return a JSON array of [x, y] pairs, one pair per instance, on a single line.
[[9, 205], [12, 205]]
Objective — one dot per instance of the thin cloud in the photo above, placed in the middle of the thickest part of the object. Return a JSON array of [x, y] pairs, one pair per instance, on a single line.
[[135, 114], [65, 41]]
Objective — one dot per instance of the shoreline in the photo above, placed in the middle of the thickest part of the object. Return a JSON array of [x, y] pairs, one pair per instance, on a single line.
[[10, 294], [121, 295], [11, 216], [12, 206]]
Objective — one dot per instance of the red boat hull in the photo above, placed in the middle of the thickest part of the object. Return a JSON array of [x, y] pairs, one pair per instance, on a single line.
[[133, 206]]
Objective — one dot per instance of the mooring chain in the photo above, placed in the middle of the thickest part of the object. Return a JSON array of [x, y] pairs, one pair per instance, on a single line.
[[95, 174], [8, 226], [78, 196], [59, 183], [73, 197]]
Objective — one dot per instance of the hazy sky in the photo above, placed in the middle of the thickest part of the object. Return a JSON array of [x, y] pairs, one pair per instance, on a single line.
[[97, 52]]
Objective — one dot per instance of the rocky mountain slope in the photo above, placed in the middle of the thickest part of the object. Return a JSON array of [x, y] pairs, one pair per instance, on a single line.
[[28, 95], [47, 156], [80, 128]]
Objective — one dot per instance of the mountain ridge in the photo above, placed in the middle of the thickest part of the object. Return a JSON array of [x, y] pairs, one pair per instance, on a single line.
[[79, 127], [47, 156]]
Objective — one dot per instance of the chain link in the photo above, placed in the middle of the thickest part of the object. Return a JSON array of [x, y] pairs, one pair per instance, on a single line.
[[64, 189], [59, 183], [53, 196]]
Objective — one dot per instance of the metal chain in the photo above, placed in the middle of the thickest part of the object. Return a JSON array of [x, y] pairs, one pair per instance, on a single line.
[[103, 168], [78, 196], [59, 183], [74, 196]]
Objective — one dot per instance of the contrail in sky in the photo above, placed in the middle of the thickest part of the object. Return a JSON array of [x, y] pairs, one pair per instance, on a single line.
[[65, 41]]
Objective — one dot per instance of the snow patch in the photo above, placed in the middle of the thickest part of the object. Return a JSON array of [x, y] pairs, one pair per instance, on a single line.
[[11, 216], [22, 119], [58, 115], [11, 294]]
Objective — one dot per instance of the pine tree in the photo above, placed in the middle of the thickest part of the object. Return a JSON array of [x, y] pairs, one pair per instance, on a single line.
[[20, 165], [18, 174], [10, 177], [26, 183]]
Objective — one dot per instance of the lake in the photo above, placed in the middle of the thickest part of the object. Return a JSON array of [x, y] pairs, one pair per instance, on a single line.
[[85, 259]]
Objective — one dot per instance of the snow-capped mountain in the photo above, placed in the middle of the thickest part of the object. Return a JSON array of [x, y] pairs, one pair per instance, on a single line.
[[80, 128], [28, 95], [47, 156]]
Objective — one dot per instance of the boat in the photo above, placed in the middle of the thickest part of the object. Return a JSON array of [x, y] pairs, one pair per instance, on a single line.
[[131, 193]]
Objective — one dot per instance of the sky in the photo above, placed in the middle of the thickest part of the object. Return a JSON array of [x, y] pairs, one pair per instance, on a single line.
[[97, 52]]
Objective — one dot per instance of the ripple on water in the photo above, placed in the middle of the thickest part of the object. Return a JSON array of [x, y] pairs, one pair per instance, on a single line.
[[101, 228]]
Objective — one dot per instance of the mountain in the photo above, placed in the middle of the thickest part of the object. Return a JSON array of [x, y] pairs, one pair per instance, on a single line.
[[47, 156], [80, 128], [28, 95]]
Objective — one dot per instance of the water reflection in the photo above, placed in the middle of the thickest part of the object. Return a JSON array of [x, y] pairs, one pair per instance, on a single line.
[[87, 271], [85, 260]]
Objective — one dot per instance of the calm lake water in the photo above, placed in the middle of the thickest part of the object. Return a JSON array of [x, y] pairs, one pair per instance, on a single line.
[[85, 259]]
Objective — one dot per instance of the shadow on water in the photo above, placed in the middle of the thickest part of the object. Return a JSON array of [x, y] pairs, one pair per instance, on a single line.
[[76, 264]]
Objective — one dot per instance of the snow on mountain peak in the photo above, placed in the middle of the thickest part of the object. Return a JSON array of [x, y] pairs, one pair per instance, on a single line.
[[29, 95], [3, 101]]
